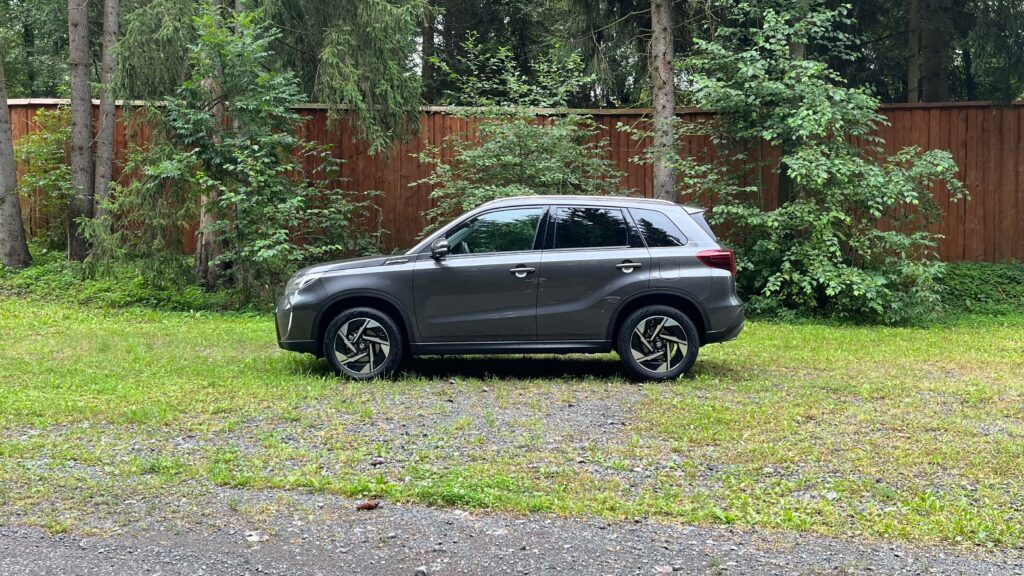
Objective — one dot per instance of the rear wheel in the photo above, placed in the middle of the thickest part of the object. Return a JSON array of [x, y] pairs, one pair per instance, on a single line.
[[363, 343], [658, 343]]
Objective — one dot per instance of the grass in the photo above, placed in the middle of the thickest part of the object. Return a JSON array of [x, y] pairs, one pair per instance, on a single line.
[[914, 434]]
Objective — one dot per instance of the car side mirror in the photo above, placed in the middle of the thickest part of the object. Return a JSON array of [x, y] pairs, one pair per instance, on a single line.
[[439, 249]]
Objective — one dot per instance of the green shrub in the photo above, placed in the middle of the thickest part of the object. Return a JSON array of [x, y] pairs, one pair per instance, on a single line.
[[983, 288], [46, 175], [277, 200], [850, 236], [124, 284]]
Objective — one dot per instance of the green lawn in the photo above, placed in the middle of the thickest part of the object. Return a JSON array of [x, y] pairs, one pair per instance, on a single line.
[[915, 434]]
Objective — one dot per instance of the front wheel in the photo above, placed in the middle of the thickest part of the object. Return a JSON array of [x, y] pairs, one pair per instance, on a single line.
[[362, 344], [658, 343]]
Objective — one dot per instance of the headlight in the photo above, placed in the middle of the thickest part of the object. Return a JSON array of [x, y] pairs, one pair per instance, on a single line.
[[297, 283]]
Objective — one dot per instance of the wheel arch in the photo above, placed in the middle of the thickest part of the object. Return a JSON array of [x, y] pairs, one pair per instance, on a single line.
[[348, 300], [682, 302]]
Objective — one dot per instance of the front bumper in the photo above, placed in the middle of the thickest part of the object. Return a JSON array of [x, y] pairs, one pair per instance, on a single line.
[[308, 346], [294, 327]]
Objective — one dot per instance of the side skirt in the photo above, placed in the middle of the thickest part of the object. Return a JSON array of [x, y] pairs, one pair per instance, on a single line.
[[557, 347]]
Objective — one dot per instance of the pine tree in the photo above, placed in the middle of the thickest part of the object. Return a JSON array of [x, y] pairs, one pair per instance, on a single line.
[[664, 97], [81, 205], [108, 114]]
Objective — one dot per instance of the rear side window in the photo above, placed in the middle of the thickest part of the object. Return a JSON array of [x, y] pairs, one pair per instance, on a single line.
[[579, 227], [657, 228]]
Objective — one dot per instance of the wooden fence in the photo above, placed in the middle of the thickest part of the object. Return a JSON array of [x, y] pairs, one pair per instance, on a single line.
[[985, 140]]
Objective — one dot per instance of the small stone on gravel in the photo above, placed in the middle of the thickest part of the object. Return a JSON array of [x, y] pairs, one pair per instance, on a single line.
[[368, 505]]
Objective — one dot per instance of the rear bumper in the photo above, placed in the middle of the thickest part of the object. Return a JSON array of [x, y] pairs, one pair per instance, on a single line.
[[730, 332]]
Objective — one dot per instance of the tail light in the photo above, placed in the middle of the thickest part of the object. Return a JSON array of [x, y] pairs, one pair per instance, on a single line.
[[722, 259]]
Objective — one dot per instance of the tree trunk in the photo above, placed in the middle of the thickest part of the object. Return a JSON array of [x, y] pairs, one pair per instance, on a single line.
[[798, 48], [969, 75], [13, 248], [105, 137], [663, 93], [913, 50], [427, 76], [797, 51], [208, 244], [81, 127], [936, 37], [28, 41]]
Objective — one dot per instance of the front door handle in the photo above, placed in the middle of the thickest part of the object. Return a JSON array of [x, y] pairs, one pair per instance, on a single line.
[[522, 271], [628, 267]]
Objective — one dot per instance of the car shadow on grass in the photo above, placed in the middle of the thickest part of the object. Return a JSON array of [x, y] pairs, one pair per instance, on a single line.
[[515, 367], [520, 367]]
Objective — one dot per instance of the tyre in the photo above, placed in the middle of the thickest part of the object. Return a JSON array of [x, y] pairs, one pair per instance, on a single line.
[[658, 343], [363, 343]]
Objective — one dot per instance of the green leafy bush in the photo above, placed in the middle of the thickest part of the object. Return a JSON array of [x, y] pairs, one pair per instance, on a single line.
[[278, 199], [983, 288], [125, 283], [46, 176], [849, 236], [511, 149]]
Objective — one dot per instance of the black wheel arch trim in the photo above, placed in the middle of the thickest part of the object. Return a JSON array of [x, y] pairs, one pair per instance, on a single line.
[[320, 323], [618, 315]]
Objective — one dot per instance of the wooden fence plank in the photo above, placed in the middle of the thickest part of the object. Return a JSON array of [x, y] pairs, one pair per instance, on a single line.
[[974, 249], [992, 146], [1008, 209], [958, 146], [1019, 228]]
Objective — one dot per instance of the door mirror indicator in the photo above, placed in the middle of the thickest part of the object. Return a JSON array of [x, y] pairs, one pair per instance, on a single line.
[[439, 249]]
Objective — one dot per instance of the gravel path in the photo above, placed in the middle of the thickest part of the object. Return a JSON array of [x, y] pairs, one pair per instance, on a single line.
[[264, 532]]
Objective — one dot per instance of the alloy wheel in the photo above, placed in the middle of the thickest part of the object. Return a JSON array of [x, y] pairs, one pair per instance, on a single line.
[[658, 344], [362, 345]]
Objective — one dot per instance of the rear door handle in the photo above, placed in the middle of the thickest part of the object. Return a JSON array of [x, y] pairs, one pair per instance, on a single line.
[[522, 271], [628, 267]]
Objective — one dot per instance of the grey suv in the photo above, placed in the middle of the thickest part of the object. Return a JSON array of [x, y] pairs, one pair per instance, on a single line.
[[537, 274]]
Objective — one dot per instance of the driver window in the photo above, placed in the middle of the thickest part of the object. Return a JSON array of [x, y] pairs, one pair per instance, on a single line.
[[511, 230]]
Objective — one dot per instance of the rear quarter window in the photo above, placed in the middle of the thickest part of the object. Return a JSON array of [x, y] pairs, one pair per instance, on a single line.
[[657, 228], [699, 219]]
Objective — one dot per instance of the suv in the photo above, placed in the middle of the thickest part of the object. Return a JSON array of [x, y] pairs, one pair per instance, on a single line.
[[529, 275]]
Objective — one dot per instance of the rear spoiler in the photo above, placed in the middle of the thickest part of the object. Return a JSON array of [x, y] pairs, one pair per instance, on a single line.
[[691, 209]]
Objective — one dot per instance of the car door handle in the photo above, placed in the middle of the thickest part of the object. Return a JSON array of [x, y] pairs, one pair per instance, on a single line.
[[522, 271], [628, 267]]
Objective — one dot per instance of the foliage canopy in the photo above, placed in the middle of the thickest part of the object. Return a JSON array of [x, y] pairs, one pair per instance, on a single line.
[[852, 236], [509, 150], [279, 201], [45, 181]]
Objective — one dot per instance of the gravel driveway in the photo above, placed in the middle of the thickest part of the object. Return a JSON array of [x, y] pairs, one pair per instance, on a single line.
[[264, 532]]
